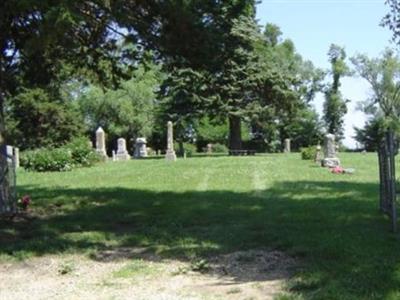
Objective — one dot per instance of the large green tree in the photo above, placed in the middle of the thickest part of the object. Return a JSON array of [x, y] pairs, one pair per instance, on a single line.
[[126, 111], [383, 105], [335, 106]]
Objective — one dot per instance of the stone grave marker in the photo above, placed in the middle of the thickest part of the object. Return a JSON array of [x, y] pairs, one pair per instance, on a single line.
[[101, 142], [122, 153], [330, 158], [170, 155], [140, 148]]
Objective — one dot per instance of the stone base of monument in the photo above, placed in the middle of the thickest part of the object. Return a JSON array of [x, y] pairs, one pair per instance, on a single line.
[[170, 155], [102, 154], [122, 156], [330, 162]]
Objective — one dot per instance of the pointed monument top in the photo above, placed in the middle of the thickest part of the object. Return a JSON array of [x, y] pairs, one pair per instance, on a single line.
[[99, 129]]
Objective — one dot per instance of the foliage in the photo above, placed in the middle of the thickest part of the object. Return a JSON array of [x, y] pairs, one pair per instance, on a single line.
[[383, 105], [335, 106], [308, 153], [370, 135], [126, 111], [38, 120], [383, 76], [219, 148], [44, 160], [77, 153], [82, 152], [189, 149], [211, 131], [392, 19]]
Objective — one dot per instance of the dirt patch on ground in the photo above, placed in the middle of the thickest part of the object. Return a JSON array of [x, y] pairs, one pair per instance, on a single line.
[[254, 274]]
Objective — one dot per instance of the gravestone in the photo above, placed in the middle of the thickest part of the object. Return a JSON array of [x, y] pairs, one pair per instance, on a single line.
[[114, 156], [170, 155], [318, 155], [122, 153], [209, 148], [330, 159], [140, 148], [10, 153], [287, 146], [101, 142]]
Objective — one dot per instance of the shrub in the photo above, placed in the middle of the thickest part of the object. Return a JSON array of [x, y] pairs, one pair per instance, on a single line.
[[82, 153], [77, 153], [308, 153], [219, 148], [189, 149], [42, 160]]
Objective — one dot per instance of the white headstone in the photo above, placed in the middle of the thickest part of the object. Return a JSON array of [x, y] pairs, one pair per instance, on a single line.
[[318, 155], [330, 158], [287, 146], [101, 142], [114, 156], [140, 148], [10, 153], [209, 148], [170, 155], [122, 153]]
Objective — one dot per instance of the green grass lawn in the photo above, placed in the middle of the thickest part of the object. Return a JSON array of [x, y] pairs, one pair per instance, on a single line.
[[202, 206]]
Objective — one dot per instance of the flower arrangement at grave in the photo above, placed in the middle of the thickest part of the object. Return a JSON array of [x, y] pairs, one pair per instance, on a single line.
[[24, 202]]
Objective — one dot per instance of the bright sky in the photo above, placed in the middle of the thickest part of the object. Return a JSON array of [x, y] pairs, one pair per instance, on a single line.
[[315, 24]]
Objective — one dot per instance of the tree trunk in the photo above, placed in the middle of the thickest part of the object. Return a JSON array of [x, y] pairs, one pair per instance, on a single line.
[[181, 149], [235, 133], [7, 201]]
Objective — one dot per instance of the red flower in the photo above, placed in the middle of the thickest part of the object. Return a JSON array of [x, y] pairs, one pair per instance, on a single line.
[[25, 201]]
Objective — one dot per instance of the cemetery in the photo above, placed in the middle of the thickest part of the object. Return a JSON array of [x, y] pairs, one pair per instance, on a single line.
[[186, 150]]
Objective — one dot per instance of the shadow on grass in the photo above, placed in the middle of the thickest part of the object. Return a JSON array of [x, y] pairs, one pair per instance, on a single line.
[[333, 227]]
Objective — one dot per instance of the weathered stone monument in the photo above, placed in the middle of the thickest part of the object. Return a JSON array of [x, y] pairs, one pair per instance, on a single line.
[[330, 158], [10, 154], [140, 148], [209, 148], [170, 155], [287, 146], [13, 155], [122, 153], [114, 156], [101, 142], [318, 155]]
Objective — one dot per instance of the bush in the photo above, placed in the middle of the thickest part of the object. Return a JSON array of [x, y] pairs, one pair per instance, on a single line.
[[189, 149], [219, 148], [82, 152], [308, 153], [42, 160], [77, 153]]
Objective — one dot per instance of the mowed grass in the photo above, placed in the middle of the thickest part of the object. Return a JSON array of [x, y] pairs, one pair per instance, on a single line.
[[199, 207]]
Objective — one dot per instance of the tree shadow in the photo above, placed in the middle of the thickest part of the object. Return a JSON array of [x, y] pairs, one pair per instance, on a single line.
[[333, 228]]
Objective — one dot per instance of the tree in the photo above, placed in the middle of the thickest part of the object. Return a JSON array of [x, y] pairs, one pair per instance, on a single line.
[[392, 19], [370, 135], [383, 106], [37, 120], [335, 106], [36, 39], [126, 111]]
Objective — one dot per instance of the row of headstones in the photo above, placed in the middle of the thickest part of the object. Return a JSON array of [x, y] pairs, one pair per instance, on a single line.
[[140, 146], [330, 158], [121, 153]]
